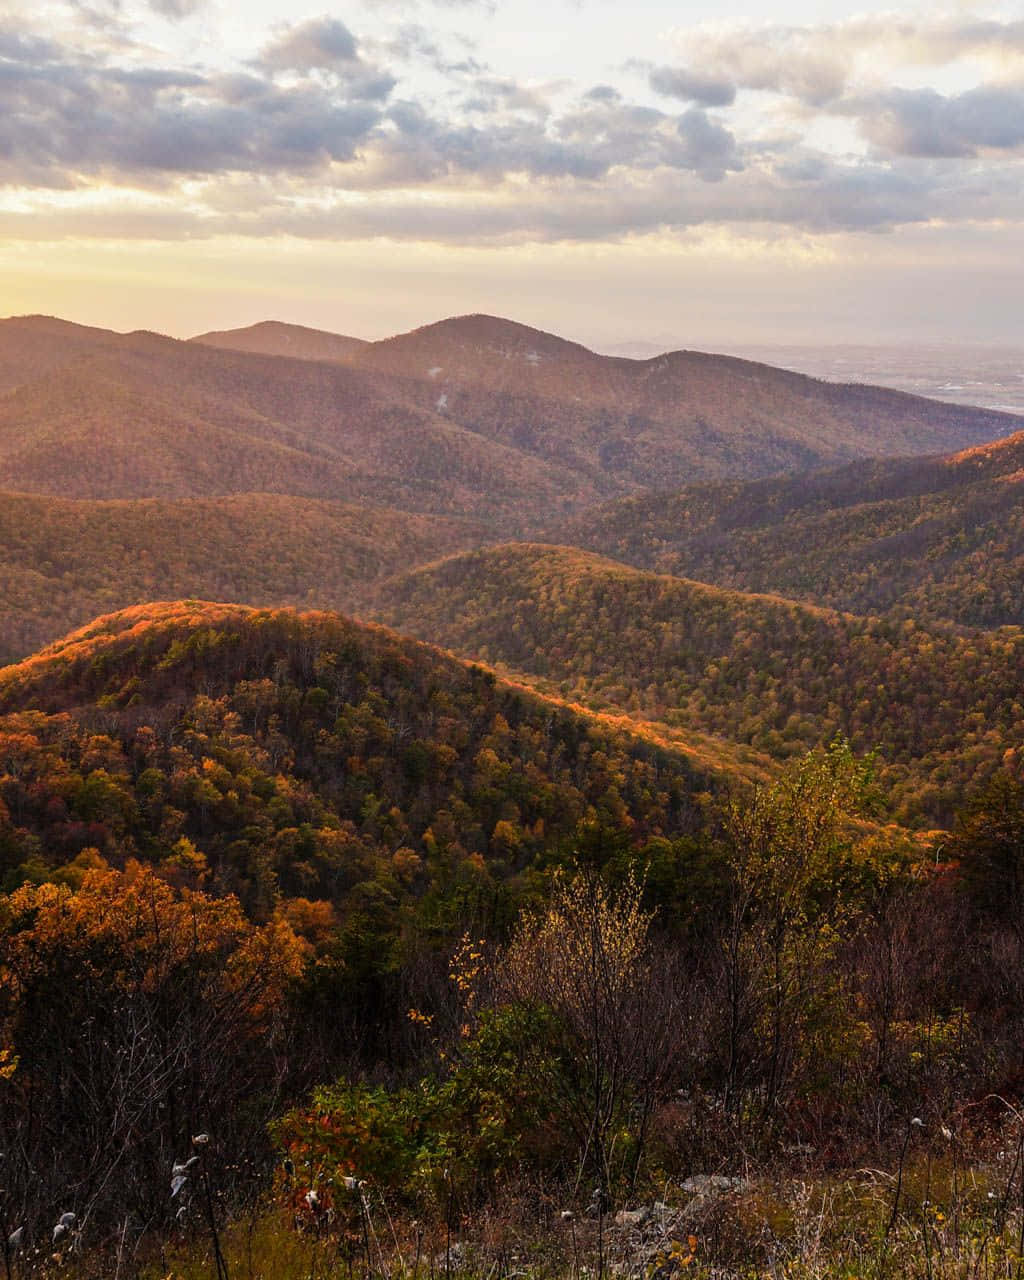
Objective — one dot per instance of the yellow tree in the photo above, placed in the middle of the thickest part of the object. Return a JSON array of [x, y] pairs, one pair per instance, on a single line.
[[587, 958]]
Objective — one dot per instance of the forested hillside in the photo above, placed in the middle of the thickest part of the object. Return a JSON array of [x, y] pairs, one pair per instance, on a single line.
[[928, 538], [289, 896], [235, 845], [268, 753], [675, 419], [145, 416], [941, 706], [62, 562]]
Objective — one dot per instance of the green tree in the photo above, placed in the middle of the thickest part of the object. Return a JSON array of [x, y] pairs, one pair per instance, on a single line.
[[786, 843]]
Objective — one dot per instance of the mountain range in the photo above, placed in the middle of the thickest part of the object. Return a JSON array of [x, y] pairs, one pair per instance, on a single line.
[[732, 562], [472, 416]]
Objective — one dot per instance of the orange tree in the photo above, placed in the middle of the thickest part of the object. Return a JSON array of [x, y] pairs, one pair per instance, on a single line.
[[139, 1015]]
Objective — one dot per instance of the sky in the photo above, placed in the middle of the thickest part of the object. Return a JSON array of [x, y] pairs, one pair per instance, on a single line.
[[613, 170]]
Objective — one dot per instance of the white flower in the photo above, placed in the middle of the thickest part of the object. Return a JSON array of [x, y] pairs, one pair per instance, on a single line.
[[201, 1139]]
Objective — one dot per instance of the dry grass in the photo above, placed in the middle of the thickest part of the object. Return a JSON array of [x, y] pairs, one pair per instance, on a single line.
[[952, 1224]]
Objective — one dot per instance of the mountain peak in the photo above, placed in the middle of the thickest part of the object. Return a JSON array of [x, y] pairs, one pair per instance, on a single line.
[[481, 330], [278, 338], [55, 325]]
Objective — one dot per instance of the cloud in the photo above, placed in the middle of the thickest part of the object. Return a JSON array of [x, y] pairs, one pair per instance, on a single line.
[[62, 121], [316, 137], [798, 62], [922, 122], [327, 45], [558, 208], [23, 46], [815, 64], [65, 121], [320, 42], [488, 6], [617, 133], [692, 86], [708, 147], [176, 9], [496, 94]]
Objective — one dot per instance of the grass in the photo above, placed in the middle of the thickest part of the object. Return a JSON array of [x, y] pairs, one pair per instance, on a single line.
[[952, 1224]]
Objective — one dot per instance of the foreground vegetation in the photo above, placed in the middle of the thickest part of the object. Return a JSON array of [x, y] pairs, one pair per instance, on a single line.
[[326, 954]]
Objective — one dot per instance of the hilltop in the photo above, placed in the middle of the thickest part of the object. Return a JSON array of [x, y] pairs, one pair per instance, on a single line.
[[141, 415], [298, 751], [272, 338], [679, 416]]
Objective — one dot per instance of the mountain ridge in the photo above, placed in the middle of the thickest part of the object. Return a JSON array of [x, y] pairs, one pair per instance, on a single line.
[[939, 537], [276, 337], [473, 416]]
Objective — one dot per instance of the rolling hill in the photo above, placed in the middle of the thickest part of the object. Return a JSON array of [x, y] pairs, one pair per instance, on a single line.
[[266, 752], [147, 416], [63, 561], [929, 538], [941, 705]]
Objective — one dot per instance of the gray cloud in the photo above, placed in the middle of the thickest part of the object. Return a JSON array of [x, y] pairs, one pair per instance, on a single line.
[[493, 160], [23, 46], [60, 119], [840, 198], [320, 42], [637, 137], [409, 5], [802, 63], [814, 64], [176, 9], [327, 45], [496, 94], [708, 147], [921, 122], [692, 86]]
